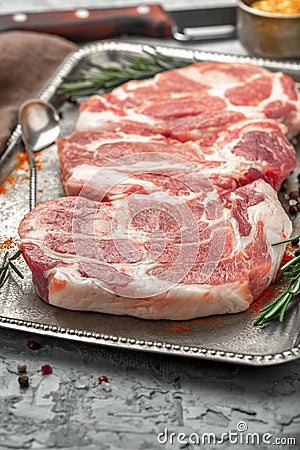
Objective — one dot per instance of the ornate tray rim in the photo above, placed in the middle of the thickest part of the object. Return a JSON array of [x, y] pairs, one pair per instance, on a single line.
[[151, 346], [118, 341]]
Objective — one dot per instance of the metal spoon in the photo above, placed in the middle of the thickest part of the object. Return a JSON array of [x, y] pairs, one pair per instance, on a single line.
[[40, 127]]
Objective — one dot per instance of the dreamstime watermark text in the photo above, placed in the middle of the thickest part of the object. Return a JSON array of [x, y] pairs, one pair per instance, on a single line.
[[239, 436]]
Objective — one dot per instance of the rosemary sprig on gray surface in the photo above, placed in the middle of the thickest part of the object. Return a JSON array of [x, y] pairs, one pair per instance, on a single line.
[[8, 264], [291, 271], [99, 77]]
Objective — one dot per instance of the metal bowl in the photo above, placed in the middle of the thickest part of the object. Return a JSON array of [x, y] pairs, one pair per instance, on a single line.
[[269, 35]]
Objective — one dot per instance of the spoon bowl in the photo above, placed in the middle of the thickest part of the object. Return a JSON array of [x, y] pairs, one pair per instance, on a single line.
[[40, 127], [40, 124]]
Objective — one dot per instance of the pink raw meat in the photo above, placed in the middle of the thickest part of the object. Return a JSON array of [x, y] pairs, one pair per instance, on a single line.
[[112, 163], [173, 207], [195, 101], [156, 256]]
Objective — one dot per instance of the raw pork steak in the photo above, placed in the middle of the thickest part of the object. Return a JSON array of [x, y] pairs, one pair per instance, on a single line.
[[111, 164], [195, 101], [156, 256], [174, 213]]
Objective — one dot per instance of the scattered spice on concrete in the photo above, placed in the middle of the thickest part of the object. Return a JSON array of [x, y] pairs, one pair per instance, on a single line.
[[46, 369], [22, 367], [33, 345], [8, 244], [23, 381], [103, 379]]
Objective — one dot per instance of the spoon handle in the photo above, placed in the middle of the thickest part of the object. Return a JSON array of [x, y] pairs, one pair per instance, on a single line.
[[33, 178]]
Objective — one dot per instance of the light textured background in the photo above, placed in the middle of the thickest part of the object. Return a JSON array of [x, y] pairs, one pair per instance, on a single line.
[[71, 410]]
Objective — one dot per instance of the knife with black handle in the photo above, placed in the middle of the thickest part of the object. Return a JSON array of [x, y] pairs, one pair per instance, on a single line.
[[151, 20]]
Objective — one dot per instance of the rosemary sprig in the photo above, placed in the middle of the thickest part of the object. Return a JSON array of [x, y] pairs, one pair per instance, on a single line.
[[8, 264], [291, 271], [100, 77]]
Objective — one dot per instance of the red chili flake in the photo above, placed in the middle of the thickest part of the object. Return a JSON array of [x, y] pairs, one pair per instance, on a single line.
[[33, 345], [210, 322], [272, 291], [46, 369], [7, 245], [104, 379], [177, 328]]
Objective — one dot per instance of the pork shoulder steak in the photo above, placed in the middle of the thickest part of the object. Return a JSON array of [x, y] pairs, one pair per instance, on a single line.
[[145, 256], [198, 100], [173, 208], [112, 164]]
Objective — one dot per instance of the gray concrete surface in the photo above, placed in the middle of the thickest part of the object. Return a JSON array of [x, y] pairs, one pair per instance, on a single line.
[[147, 393]]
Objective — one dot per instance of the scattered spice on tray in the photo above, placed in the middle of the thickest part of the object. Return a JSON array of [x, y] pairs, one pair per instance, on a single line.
[[273, 290], [10, 181], [290, 273], [46, 369], [22, 160], [269, 294], [177, 328], [211, 322]]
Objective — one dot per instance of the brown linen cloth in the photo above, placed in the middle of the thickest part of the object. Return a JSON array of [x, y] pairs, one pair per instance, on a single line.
[[27, 60]]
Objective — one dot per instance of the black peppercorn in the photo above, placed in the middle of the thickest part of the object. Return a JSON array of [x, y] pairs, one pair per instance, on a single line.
[[23, 381], [293, 209], [294, 195], [283, 187]]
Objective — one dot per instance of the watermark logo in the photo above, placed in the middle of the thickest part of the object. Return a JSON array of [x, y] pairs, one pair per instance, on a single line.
[[239, 436], [165, 224]]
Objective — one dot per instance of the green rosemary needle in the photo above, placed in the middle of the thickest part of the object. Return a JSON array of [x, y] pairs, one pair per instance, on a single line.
[[8, 264], [100, 77], [291, 271]]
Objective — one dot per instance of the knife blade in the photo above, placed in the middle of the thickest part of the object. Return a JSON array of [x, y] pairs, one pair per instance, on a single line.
[[151, 20]]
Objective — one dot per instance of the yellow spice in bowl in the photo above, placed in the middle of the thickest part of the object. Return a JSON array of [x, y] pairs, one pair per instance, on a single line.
[[288, 7]]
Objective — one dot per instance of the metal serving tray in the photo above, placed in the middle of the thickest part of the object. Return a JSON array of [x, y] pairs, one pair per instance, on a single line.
[[231, 338]]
